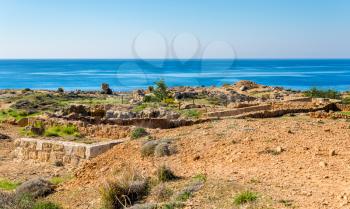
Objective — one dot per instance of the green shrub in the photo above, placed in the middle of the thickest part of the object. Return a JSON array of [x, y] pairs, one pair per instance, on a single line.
[[245, 197], [151, 98], [319, 93], [161, 91], [46, 205], [138, 133], [26, 90], [150, 88], [169, 101], [164, 174], [60, 90]]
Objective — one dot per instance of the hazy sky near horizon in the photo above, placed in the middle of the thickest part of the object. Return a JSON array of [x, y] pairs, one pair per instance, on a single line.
[[174, 28]]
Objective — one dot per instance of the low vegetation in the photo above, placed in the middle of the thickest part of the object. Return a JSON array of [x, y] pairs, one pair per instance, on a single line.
[[245, 197], [320, 93], [128, 188], [346, 100], [192, 113], [158, 148], [162, 192], [39, 129], [165, 174], [148, 148], [8, 185], [138, 133], [200, 177], [59, 179], [62, 131], [46, 205], [25, 201], [15, 114]]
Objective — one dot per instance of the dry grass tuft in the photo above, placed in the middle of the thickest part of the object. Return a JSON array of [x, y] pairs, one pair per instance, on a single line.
[[128, 188]]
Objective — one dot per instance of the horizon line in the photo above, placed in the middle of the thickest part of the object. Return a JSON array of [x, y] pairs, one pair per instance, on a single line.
[[193, 59]]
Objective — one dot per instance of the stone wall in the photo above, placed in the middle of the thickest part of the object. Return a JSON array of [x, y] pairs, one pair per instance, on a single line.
[[239, 111], [331, 115], [343, 107], [161, 123], [281, 112], [59, 151]]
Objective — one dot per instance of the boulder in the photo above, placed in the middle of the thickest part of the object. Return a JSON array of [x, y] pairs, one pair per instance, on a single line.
[[243, 88]]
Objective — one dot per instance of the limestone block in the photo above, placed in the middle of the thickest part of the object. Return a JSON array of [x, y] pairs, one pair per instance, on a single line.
[[17, 143], [68, 150], [79, 151], [43, 156], [56, 156], [24, 144], [39, 146], [74, 161], [66, 159], [32, 145], [33, 155], [46, 146], [58, 147]]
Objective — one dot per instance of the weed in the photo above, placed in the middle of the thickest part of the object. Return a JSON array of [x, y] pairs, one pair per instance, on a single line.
[[184, 196], [200, 177], [8, 185], [245, 197], [165, 174], [46, 205], [59, 180], [191, 113]]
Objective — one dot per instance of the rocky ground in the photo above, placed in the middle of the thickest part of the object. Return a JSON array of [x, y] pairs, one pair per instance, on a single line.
[[292, 162]]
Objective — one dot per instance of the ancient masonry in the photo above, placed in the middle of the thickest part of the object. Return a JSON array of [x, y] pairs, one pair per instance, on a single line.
[[60, 151]]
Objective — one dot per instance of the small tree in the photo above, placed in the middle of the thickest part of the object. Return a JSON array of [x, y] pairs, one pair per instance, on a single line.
[[161, 90]]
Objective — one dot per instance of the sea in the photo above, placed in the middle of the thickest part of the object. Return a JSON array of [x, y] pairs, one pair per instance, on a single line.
[[129, 74]]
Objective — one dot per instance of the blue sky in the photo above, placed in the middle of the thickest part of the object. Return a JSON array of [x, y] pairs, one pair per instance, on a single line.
[[197, 28]]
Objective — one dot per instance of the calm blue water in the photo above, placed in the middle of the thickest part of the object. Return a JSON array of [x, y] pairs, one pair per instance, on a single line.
[[131, 74]]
